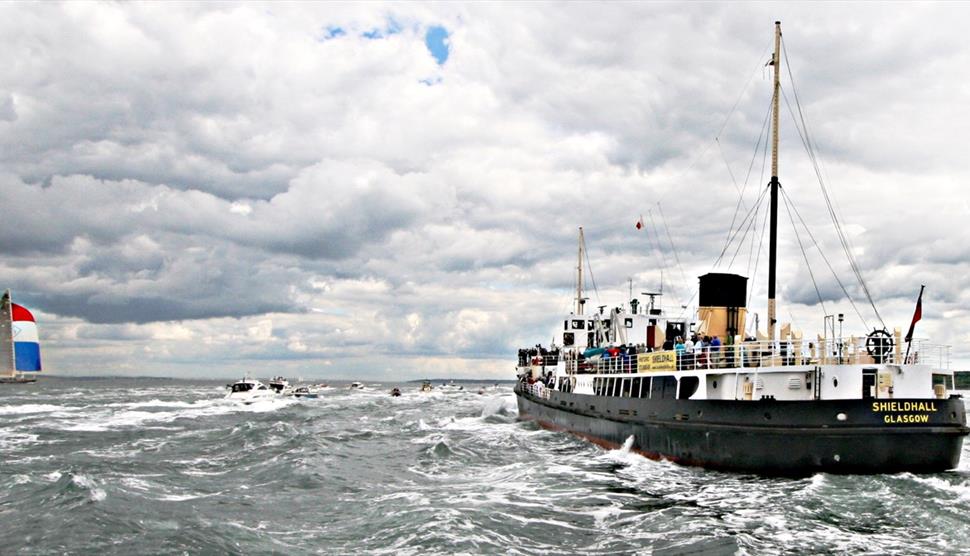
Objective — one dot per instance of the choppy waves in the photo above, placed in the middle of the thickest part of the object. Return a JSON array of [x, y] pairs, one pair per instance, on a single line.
[[159, 467]]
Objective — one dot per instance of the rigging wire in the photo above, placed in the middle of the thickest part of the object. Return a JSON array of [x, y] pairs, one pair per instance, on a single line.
[[761, 242], [737, 102], [736, 232], [655, 241], [673, 249], [754, 156], [590, 267], [833, 212], [826, 259], [808, 264], [743, 237], [761, 179]]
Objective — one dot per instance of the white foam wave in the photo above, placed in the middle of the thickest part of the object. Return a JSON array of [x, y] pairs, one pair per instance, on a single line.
[[13, 439], [25, 409], [95, 493], [110, 420], [961, 490]]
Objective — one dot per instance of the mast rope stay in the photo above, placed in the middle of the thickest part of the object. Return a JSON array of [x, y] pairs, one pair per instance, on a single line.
[[754, 156], [808, 265], [590, 267], [826, 259], [801, 127], [673, 249]]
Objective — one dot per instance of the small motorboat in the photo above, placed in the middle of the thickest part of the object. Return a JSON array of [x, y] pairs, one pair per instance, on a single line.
[[356, 385], [249, 390], [395, 392], [305, 392], [426, 386]]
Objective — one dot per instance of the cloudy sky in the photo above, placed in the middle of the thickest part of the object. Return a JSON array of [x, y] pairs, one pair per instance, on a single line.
[[392, 191]]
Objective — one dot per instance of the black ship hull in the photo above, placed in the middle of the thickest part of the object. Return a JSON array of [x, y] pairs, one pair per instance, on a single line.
[[788, 438]]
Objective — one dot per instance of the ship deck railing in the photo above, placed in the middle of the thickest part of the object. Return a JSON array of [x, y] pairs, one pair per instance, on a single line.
[[538, 390], [783, 353]]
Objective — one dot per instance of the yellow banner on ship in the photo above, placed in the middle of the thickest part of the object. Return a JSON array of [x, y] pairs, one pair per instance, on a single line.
[[657, 361]]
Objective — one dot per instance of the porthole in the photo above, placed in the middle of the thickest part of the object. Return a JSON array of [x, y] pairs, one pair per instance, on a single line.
[[841, 417], [714, 384], [835, 382], [767, 416]]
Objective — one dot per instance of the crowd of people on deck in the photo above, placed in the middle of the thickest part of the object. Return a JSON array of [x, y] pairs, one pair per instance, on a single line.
[[695, 352], [698, 352]]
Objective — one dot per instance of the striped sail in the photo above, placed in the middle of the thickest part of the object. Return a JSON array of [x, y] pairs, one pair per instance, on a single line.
[[25, 339], [19, 342]]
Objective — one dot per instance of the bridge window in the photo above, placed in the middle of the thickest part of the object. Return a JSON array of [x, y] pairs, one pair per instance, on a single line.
[[628, 323], [568, 338], [579, 325]]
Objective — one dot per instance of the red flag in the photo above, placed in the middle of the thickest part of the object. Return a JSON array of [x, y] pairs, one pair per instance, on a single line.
[[917, 315], [640, 223]]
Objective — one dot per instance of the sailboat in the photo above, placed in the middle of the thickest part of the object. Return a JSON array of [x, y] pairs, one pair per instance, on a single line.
[[19, 343], [773, 405]]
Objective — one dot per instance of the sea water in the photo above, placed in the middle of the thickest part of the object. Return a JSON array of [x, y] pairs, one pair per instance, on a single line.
[[115, 466]]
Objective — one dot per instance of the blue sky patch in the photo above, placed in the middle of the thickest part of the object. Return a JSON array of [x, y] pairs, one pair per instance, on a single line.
[[332, 32], [436, 39], [392, 28]]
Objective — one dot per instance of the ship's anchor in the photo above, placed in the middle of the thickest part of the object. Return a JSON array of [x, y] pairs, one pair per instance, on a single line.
[[879, 343]]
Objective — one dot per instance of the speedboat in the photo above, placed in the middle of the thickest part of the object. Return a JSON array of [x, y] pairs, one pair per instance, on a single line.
[[304, 392], [249, 390], [426, 386], [278, 384], [357, 385]]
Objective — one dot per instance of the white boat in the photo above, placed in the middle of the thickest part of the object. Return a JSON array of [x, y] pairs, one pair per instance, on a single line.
[[249, 390], [304, 392], [279, 384], [19, 343], [357, 385]]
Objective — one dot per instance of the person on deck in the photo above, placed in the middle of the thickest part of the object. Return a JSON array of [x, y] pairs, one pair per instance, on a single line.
[[716, 351], [679, 347], [689, 360]]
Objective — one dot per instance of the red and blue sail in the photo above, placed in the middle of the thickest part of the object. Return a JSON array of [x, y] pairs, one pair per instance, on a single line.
[[25, 339]]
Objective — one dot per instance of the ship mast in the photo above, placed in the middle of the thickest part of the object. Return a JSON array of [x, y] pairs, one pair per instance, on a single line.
[[773, 237], [579, 275]]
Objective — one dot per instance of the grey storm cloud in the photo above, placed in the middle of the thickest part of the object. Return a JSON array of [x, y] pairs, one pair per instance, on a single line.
[[239, 177]]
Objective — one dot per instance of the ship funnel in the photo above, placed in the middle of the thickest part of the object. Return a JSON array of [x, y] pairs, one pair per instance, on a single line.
[[722, 305]]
